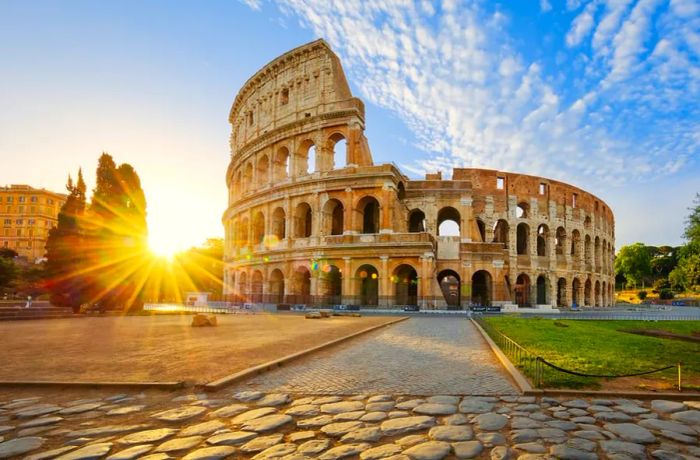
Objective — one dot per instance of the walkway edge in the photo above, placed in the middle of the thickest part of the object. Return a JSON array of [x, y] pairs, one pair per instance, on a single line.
[[128, 385], [513, 371], [241, 375]]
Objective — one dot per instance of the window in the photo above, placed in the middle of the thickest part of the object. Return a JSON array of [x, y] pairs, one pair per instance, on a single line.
[[500, 182], [543, 188], [573, 200], [284, 97]]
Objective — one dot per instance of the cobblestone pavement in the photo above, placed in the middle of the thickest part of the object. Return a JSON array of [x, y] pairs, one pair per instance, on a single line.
[[254, 425], [420, 356]]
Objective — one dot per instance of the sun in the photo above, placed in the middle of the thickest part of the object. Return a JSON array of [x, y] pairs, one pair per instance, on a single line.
[[165, 245]]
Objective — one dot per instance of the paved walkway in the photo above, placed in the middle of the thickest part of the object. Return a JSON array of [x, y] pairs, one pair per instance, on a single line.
[[420, 356]]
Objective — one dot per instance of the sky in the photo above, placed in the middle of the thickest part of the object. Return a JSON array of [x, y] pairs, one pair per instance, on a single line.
[[603, 94]]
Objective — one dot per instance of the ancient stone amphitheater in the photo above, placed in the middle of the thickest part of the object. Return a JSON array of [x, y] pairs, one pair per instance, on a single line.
[[312, 220]]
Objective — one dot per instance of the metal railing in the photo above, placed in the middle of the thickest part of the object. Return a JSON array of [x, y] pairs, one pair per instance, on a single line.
[[535, 367]]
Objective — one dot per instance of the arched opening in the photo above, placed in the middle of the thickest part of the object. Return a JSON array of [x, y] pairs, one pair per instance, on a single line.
[[302, 221], [561, 292], [305, 159], [522, 290], [542, 240], [279, 224], [576, 244], [481, 288], [576, 293], [339, 147], [330, 284], [416, 221], [368, 281], [522, 211], [405, 281], [448, 220], [560, 241], [450, 285], [587, 293], [276, 286], [280, 169], [500, 232], [588, 249], [262, 172], [301, 285], [597, 300], [243, 286], [369, 210], [523, 236], [256, 287], [541, 290], [258, 228], [334, 213]]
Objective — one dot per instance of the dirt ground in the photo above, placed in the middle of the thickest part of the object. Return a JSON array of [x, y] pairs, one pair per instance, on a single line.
[[159, 348]]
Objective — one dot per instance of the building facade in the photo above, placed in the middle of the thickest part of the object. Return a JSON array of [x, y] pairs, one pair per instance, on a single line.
[[311, 219], [26, 215]]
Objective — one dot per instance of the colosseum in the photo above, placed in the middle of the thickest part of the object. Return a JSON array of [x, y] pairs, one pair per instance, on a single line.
[[311, 219]]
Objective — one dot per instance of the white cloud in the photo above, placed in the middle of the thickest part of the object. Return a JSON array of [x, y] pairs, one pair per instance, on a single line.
[[454, 75]]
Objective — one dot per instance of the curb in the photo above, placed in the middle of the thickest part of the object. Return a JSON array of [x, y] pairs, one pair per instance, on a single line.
[[513, 372], [132, 385], [241, 375]]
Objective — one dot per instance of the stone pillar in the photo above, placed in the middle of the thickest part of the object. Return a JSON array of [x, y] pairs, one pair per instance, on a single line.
[[384, 282], [348, 277]]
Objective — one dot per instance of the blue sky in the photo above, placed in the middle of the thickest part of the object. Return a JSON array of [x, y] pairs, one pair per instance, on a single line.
[[603, 94]]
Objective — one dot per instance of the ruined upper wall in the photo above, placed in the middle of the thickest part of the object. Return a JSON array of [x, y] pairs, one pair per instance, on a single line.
[[303, 83]]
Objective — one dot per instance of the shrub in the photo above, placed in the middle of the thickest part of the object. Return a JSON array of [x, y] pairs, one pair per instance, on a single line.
[[642, 295]]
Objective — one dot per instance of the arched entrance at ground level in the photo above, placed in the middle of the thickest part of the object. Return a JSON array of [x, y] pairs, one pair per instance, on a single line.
[[481, 288], [301, 286], [541, 290], [405, 281], [587, 293], [276, 286], [561, 292], [450, 285], [243, 286], [330, 285], [368, 285], [256, 287], [522, 291], [576, 293]]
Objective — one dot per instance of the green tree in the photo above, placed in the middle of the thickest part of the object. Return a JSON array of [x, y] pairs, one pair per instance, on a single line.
[[686, 275], [65, 250], [634, 262], [118, 234]]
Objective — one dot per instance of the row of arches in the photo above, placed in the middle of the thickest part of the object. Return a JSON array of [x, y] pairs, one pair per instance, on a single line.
[[300, 224], [283, 163]]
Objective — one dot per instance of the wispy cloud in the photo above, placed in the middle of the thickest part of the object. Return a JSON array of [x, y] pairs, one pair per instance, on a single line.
[[623, 104]]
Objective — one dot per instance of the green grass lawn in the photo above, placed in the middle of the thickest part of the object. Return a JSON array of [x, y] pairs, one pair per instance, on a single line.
[[598, 347]]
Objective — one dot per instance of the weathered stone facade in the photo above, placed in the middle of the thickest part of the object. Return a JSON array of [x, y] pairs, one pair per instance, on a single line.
[[309, 223]]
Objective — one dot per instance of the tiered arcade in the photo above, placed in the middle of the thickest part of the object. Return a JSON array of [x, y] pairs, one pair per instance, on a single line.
[[312, 220]]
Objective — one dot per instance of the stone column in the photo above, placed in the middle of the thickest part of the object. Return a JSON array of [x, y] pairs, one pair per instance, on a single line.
[[384, 281]]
